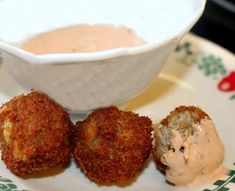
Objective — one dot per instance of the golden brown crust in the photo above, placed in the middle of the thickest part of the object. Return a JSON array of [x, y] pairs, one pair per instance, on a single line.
[[192, 109], [35, 134], [112, 146]]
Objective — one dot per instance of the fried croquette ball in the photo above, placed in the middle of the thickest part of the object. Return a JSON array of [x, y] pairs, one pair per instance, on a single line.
[[187, 145], [34, 134], [111, 146]]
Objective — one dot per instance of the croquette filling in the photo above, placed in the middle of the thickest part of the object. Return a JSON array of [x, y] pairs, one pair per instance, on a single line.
[[7, 126], [181, 122]]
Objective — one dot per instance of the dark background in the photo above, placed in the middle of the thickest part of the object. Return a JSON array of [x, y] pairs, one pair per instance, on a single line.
[[217, 23]]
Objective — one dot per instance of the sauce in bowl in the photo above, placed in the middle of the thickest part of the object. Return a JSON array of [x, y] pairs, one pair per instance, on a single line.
[[82, 38]]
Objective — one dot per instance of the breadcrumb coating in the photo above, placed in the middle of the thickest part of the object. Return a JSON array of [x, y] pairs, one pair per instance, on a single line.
[[111, 146], [34, 134]]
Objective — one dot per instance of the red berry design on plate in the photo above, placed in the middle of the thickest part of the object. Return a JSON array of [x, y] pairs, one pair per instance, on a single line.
[[227, 84]]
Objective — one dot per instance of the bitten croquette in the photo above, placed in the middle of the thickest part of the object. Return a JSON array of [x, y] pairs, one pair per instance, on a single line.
[[187, 146], [112, 146], [34, 134], [181, 119]]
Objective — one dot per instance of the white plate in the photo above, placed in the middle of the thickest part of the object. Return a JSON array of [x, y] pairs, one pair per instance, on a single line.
[[190, 77]]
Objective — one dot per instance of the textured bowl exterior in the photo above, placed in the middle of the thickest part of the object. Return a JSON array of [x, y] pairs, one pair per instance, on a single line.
[[83, 86], [82, 82]]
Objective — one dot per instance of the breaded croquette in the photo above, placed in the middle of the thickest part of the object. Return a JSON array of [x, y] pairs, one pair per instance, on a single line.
[[187, 145], [34, 134], [111, 146]]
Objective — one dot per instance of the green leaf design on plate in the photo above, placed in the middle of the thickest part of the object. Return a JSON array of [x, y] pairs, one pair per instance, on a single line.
[[187, 53], [186, 46], [8, 185], [12, 186], [4, 179], [3, 187], [226, 184], [211, 65], [232, 97]]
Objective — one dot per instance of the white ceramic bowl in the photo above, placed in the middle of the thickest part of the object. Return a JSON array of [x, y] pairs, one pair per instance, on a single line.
[[85, 81]]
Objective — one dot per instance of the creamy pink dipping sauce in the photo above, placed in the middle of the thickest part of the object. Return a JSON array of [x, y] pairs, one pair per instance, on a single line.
[[201, 161], [82, 38]]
